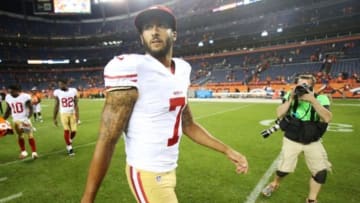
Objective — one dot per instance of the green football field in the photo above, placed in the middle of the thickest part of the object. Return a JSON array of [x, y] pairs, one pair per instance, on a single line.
[[203, 176]]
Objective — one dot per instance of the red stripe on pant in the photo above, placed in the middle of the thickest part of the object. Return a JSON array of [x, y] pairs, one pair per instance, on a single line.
[[67, 137], [137, 181]]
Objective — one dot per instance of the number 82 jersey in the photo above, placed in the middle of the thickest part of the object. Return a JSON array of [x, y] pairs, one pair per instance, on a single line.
[[66, 99]]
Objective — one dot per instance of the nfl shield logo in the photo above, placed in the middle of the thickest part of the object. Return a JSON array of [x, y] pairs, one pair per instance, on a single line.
[[158, 178]]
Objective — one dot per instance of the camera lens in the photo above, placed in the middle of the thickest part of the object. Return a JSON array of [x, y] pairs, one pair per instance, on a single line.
[[300, 90]]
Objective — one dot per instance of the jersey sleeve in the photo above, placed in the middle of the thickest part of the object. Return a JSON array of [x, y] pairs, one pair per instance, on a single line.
[[7, 98], [75, 92], [324, 100], [56, 93], [185, 68], [121, 72], [27, 97], [188, 72]]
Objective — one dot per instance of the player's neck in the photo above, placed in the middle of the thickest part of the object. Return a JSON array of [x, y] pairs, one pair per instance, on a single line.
[[166, 59]]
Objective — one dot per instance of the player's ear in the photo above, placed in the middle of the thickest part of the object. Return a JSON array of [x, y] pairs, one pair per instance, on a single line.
[[174, 35]]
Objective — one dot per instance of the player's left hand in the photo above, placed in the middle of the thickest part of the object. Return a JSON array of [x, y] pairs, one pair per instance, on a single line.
[[239, 160], [26, 125], [26, 122]]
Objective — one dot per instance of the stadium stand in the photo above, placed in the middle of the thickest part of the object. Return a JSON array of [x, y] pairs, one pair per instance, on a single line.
[[313, 33]]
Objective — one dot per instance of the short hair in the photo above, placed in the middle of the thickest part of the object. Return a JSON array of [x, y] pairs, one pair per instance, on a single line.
[[63, 80], [305, 76], [15, 87]]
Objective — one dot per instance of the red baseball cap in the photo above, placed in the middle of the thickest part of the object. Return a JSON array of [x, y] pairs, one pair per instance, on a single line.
[[158, 11]]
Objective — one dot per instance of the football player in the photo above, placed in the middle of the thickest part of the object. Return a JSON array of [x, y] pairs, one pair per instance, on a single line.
[[67, 102], [35, 101], [147, 99], [19, 107]]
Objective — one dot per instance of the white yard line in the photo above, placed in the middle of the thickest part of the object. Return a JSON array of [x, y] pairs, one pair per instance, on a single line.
[[11, 197], [3, 179], [237, 100], [345, 104], [263, 181], [221, 112]]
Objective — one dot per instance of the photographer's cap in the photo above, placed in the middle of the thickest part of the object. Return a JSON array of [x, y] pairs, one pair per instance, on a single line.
[[161, 12]]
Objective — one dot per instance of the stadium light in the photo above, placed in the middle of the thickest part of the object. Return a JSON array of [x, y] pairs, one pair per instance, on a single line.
[[211, 41], [48, 61], [77, 61], [110, 43], [0, 60], [264, 33], [279, 29], [108, 1], [200, 44]]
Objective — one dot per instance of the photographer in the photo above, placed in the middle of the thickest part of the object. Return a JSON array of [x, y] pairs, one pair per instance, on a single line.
[[303, 117]]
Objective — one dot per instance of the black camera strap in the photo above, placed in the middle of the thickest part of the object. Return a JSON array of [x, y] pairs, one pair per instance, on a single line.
[[311, 109], [295, 106], [312, 112]]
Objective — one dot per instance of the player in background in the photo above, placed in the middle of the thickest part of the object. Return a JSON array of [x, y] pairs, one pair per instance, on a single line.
[[1, 108], [147, 100], [5, 127], [19, 107], [78, 95], [66, 102], [35, 101]]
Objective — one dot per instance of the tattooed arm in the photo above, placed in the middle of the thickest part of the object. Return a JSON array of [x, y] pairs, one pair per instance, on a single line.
[[115, 116], [201, 136]]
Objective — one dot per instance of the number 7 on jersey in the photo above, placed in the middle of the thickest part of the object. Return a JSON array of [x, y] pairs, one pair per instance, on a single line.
[[176, 102]]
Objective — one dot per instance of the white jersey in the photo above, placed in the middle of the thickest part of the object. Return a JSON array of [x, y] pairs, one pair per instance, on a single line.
[[66, 99], [19, 111], [154, 130]]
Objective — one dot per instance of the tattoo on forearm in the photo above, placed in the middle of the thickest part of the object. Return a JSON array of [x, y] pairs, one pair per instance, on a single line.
[[187, 117], [116, 113]]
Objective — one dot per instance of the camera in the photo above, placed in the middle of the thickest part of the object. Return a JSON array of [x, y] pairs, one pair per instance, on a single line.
[[266, 133], [302, 89]]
